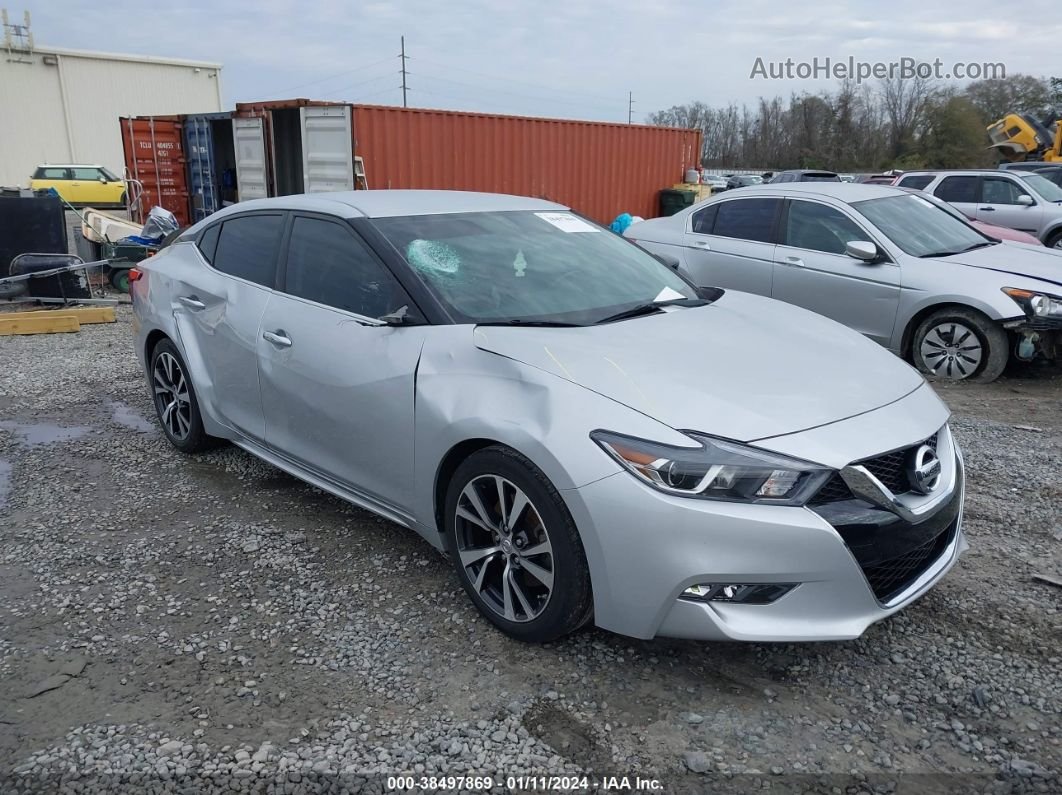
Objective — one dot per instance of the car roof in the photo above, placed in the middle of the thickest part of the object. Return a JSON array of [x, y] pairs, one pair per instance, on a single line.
[[959, 171], [69, 165], [390, 203], [806, 171], [845, 191]]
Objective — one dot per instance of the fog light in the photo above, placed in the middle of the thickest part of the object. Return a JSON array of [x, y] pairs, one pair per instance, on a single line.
[[739, 593]]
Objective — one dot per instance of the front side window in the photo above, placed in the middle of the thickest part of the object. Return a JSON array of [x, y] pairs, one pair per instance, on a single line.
[[957, 189], [1000, 190], [919, 227], [86, 174], [326, 263], [747, 219], [820, 228], [550, 267], [247, 248]]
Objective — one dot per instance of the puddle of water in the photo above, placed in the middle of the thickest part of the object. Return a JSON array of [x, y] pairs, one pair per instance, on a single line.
[[32, 434], [127, 416], [5, 482]]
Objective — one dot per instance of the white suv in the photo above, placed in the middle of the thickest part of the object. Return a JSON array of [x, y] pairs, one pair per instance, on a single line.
[[1019, 200]]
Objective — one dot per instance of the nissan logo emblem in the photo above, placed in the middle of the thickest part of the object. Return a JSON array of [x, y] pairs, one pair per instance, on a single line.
[[923, 469]]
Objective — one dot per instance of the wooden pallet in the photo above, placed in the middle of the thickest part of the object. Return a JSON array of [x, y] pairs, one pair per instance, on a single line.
[[53, 321]]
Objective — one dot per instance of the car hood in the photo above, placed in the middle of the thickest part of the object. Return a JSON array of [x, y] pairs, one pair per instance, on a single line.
[[744, 367], [1036, 263]]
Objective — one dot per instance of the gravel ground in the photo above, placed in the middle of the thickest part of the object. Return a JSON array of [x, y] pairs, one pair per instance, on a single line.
[[210, 624]]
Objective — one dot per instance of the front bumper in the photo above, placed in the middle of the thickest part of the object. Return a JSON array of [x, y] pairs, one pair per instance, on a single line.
[[646, 548]]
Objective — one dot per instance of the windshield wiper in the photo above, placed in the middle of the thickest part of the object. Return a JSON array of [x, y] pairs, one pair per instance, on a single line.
[[535, 323], [953, 253], [980, 245], [650, 307]]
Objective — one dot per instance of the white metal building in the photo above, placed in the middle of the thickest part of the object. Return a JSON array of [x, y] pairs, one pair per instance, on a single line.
[[62, 106]]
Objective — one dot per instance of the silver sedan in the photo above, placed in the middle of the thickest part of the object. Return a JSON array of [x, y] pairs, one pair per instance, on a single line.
[[895, 266], [586, 434]]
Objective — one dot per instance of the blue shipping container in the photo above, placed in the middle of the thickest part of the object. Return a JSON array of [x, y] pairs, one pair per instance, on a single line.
[[207, 141]]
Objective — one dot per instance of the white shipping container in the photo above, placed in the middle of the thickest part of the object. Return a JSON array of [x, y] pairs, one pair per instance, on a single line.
[[62, 106]]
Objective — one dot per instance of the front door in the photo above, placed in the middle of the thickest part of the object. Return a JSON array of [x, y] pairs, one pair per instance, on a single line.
[[999, 205], [812, 270], [337, 386]]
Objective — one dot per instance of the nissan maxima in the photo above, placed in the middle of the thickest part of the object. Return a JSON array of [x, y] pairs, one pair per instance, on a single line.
[[588, 436]]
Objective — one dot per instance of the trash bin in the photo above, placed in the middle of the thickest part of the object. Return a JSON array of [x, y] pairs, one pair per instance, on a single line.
[[673, 200]]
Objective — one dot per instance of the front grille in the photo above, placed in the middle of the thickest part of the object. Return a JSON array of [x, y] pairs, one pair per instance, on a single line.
[[890, 469], [890, 577]]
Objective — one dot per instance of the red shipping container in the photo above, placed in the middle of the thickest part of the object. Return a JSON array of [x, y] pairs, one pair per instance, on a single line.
[[154, 157]]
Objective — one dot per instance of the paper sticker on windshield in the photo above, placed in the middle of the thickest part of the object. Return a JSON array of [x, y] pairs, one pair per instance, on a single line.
[[567, 222]]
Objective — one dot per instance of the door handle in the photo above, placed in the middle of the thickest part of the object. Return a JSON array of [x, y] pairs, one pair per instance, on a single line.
[[278, 338], [192, 302], [987, 209], [794, 262], [702, 244]]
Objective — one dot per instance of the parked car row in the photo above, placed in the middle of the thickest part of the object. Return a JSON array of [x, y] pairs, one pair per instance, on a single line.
[[901, 269]]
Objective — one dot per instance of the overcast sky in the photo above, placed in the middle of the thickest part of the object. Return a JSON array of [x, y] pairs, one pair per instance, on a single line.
[[573, 58]]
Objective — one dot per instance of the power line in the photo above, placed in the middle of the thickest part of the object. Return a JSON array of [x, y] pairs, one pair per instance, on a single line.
[[376, 93], [518, 93], [518, 82], [334, 91], [332, 77]]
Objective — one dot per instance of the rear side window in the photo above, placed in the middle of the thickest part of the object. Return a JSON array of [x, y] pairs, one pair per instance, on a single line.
[[704, 220], [747, 219], [208, 242], [327, 264], [247, 248], [957, 189], [917, 182], [50, 173]]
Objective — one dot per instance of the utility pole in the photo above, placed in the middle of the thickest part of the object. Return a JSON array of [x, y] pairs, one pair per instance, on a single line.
[[630, 107], [404, 58]]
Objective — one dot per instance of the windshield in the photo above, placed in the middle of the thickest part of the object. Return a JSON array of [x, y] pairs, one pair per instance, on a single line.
[[820, 178], [529, 266], [920, 228], [1045, 187]]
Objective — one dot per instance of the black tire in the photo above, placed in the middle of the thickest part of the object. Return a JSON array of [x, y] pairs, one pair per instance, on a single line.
[[121, 199], [1055, 240], [196, 439], [993, 340], [569, 604]]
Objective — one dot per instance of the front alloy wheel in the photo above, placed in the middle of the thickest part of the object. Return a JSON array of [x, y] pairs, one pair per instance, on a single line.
[[515, 547], [951, 350], [504, 548]]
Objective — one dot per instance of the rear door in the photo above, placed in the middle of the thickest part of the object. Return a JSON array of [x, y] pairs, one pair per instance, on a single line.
[[999, 205], [337, 385], [813, 271], [731, 244], [252, 179], [218, 315], [327, 148]]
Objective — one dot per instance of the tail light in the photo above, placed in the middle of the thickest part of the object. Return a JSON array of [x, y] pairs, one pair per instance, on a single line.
[[135, 274]]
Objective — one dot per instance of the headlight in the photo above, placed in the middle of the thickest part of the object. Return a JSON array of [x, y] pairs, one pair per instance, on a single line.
[[716, 469], [1036, 304]]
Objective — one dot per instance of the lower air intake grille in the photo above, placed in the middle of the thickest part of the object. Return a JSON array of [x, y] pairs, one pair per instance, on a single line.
[[892, 576]]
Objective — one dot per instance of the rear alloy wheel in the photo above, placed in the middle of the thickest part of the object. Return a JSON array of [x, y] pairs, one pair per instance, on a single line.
[[1055, 241], [960, 344], [515, 547], [175, 401]]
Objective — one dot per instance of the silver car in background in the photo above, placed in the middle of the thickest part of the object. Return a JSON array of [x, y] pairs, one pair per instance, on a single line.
[[589, 436], [884, 261]]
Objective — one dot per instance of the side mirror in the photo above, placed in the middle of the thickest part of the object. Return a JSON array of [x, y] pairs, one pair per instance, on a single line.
[[1026, 200], [102, 179], [861, 249], [672, 262]]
